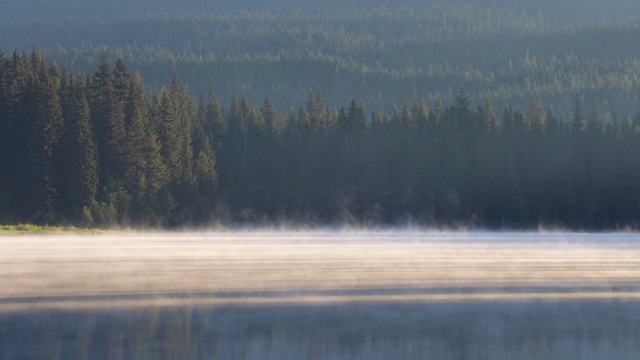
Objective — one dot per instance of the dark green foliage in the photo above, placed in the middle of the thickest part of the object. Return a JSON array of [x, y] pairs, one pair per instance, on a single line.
[[378, 54], [44, 126], [107, 114], [78, 176], [4, 139], [101, 151], [145, 174], [167, 126], [16, 129], [576, 123]]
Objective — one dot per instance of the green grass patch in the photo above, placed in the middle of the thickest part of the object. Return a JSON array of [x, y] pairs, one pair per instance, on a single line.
[[46, 229]]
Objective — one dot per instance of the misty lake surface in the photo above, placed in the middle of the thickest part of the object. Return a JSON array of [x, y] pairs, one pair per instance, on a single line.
[[320, 295]]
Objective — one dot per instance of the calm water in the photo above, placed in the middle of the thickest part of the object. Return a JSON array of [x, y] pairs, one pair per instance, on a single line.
[[321, 296], [524, 330]]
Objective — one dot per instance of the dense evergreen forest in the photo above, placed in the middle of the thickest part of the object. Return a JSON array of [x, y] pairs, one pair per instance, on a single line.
[[97, 149], [505, 50], [496, 113]]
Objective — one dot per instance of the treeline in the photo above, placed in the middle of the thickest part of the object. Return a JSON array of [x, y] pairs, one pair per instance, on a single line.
[[98, 150], [377, 54]]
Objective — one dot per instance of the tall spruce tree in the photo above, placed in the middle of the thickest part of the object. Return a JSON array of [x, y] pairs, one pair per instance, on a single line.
[[461, 103], [45, 126], [215, 126], [576, 123], [205, 173], [16, 90], [594, 126], [187, 110], [167, 127], [79, 182], [269, 115], [146, 173], [491, 120], [5, 136], [107, 114], [121, 82]]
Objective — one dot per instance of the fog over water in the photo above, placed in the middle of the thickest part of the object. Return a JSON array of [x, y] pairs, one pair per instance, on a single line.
[[324, 295]]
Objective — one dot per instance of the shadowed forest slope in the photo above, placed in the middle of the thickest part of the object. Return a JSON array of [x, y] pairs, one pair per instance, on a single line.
[[378, 53], [98, 149], [489, 113]]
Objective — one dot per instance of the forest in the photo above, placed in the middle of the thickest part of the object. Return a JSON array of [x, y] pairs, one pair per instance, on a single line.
[[494, 113], [378, 53], [98, 149]]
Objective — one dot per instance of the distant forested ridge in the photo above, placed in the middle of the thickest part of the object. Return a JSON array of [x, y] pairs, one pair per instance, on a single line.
[[98, 149], [376, 51]]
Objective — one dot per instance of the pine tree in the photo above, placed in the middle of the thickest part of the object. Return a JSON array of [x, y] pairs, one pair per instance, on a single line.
[[310, 120], [269, 115], [576, 124], [322, 113], [462, 111], [491, 120], [146, 174], [121, 81], [167, 127], [419, 110], [79, 182], [439, 109], [4, 139], [45, 126], [107, 113], [536, 118], [462, 104], [199, 136], [215, 126], [137, 140], [244, 112], [205, 174], [17, 128], [593, 122]]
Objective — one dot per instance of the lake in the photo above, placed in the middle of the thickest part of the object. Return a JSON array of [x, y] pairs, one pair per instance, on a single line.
[[320, 295]]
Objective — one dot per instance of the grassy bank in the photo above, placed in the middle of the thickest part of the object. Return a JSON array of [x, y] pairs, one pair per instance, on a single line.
[[30, 228]]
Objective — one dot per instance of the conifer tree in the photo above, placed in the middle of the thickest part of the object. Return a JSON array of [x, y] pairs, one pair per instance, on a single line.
[[491, 120], [439, 109], [244, 111], [461, 103], [199, 136], [107, 114], [269, 115], [185, 112], [311, 120], [536, 118], [17, 129], [79, 182], [45, 126], [145, 172], [593, 121], [121, 81], [576, 123], [205, 173], [215, 126], [4, 139], [419, 110], [167, 127], [322, 114]]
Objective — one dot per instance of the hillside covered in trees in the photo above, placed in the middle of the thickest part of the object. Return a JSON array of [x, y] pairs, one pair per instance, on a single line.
[[377, 51], [97, 149], [496, 113]]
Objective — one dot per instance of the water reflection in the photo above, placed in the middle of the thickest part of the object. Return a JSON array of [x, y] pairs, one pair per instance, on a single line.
[[474, 330]]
